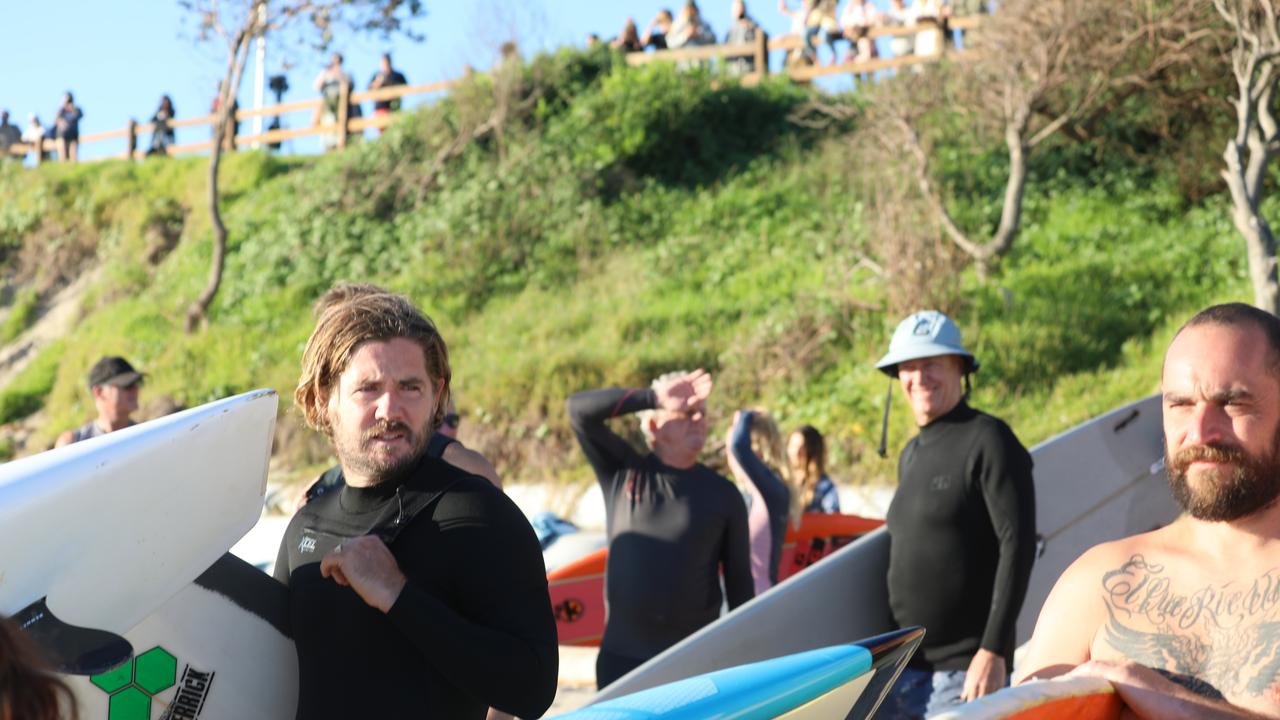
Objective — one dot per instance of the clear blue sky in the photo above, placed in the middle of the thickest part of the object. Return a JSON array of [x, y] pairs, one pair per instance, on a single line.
[[118, 57]]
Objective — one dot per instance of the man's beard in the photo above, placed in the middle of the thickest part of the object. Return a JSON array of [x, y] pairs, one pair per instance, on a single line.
[[356, 456], [1248, 484]]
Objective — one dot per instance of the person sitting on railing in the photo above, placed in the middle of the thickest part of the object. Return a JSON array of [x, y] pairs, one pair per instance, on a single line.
[[628, 41], [329, 83], [856, 22], [690, 29], [901, 16], [9, 134], [655, 36], [822, 22], [931, 15], [162, 132], [386, 76], [743, 30], [34, 136], [799, 22], [67, 128]]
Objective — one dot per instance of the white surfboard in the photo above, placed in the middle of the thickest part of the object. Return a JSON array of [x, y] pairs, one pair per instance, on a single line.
[[1100, 481], [96, 535], [1096, 482], [219, 648]]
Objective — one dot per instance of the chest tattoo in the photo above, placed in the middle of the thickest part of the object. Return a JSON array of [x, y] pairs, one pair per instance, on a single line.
[[1218, 639]]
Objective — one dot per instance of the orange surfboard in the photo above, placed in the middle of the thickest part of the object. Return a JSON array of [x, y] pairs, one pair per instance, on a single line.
[[819, 535], [577, 589], [1081, 698]]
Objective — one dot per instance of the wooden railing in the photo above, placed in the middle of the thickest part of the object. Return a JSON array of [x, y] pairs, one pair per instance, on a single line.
[[758, 51], [131, 132]]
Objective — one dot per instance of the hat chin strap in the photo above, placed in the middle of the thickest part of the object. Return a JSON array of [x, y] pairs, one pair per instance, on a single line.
[[884, 426]]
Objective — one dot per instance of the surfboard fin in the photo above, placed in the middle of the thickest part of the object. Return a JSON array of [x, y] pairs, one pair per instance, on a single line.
[[70, 649]]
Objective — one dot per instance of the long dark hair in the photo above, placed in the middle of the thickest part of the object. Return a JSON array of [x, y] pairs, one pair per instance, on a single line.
[[28, 689], [813, 461]]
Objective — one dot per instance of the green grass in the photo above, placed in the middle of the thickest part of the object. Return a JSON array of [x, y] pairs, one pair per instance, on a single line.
[[632, 223]]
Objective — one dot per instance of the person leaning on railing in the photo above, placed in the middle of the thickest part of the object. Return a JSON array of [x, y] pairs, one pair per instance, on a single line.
[[628, 41], [34, 136], [689, 29], [655, 36], [386, 76], [9, 134], [162, 132], [743, 30]]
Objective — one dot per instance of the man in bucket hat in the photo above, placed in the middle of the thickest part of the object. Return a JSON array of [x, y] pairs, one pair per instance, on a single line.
[[114, 385], [962, 525]]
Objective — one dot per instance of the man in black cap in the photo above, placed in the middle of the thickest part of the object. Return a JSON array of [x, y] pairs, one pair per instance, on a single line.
[[114, 385]]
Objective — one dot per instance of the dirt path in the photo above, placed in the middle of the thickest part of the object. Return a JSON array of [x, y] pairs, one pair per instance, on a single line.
[[56, 318]]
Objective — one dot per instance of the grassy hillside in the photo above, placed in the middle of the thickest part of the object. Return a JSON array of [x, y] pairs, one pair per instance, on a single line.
[[624, 222]]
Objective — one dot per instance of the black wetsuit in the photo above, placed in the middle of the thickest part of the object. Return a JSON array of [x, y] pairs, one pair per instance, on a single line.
[[473, 627], [670, 533], [963, 528]]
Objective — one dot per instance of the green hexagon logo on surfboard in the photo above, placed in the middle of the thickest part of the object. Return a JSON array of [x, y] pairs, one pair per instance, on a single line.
[[133, 685]]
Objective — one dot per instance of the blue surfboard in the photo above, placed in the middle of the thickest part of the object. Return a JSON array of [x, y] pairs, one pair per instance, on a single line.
[[841, 681]]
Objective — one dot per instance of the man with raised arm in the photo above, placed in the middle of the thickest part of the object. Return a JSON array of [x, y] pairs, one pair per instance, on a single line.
[[1185, 620], [416, 589], [673, 523]]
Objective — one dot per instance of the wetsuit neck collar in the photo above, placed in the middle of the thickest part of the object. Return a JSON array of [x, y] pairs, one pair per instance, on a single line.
[[960, 413], [365, 499], [663, 467]]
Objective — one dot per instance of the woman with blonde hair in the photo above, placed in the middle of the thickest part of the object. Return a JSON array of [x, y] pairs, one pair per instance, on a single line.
[[756, 458], [807, 455]]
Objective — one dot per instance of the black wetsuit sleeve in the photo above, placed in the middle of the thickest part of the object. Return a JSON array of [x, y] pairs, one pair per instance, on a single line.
[[605, 450], [735, 553], [1003, 470], [499, 646]]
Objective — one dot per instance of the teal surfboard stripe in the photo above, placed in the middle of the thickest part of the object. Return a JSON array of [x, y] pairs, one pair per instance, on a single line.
[[757, 691]]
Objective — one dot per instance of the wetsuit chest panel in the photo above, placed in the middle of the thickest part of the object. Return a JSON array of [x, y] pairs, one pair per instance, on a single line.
[[667, 538]]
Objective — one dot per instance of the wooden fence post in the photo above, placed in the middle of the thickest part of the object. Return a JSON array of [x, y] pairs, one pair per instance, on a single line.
[[762, 52], [344, 97], [131, 138], [39, 148]]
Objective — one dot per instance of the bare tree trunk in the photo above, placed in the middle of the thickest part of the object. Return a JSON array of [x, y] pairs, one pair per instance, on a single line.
[[1246, 166], [199, 308], [1249, 151], [983, 254], [1015, 139]]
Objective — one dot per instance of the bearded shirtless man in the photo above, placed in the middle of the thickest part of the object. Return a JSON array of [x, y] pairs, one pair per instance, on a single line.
[[1185, 621]]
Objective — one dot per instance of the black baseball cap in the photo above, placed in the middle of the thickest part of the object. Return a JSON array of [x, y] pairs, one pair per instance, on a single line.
[[113, 370]]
